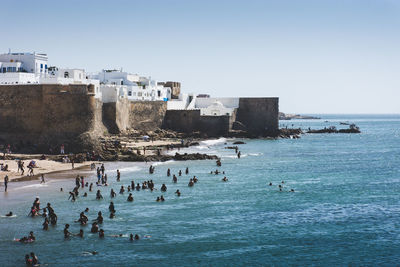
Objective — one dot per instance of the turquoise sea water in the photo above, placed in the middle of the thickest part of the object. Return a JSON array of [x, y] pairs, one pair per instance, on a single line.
[[345, 209]]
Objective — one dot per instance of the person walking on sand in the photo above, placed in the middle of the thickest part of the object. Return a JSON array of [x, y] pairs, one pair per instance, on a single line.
[[42, 181], [22, 168], [5, 183]]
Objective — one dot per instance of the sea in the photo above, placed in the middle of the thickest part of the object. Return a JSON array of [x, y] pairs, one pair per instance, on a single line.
[[344, 211]]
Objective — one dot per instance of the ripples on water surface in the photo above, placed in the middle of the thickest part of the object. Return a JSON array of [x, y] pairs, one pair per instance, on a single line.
[[345, 209]]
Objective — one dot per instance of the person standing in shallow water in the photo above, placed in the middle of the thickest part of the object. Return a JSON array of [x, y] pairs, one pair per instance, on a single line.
[[5, 183]]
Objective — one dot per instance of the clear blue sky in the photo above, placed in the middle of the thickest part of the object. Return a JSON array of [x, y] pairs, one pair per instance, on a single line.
[[317, 56]]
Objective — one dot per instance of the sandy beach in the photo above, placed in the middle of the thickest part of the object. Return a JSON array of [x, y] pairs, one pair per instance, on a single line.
[[50, 166], [43, 167]]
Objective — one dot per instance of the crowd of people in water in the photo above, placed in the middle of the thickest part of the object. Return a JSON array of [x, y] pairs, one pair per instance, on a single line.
[[50, 217], [102, 181]]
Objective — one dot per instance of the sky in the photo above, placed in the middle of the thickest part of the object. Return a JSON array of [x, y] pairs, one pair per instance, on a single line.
[[322, 56]]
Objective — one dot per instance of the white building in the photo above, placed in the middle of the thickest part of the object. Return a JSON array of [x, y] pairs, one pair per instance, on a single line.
[[32, 68], [17, 68], [116, 84], [207, 106]]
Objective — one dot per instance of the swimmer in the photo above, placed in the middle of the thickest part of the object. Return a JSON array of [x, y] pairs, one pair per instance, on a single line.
[[46, 224], [136, 237], [83, 219], [158, 199], [98, 195], [178, 193], [180, 173], [129, 188], [44, 214], [101, 233], [174, 179], [61, 190], [85, 194], [111, 207], [35, 260], [95, 228], [122, 190], [120, 235], [94, 252], [90, 187], [191, 183], [162, 198], [131, 237], [28, 261], [66, 232], [292, 190], [9, 214], [112, 215], [118, 175], [270, 184], [31, 236], [87, 210], [99, 218], [130, 197], [168, 172], [195, 180], [163, 188], [138, 187], [71, 196], [187, 171], [112, 193], [225, 179]]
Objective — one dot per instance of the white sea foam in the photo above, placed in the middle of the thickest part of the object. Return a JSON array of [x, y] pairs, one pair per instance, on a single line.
[[130, 169], [32, 186], [163, 163], [213, 142]]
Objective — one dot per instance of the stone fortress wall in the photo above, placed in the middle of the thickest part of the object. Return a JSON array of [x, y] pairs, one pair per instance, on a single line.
[[48, 115]]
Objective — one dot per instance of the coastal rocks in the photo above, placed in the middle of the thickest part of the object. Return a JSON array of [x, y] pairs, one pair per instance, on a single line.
[[332, 129], [177, 157], [290, 133], [239, 143], [195, 156]]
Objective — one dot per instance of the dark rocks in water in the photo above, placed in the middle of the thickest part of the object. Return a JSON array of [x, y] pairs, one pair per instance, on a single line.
[[332, 129], [195, 156], [290, 133], [178, 157], [231, 147], [239, 143]]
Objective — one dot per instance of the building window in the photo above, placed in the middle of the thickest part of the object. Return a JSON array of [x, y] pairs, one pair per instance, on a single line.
[[41, 66], [66, 74], [159, 93], [130, 93]]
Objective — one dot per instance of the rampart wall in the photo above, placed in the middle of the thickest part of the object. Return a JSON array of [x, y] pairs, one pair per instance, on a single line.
[[49, 115]]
